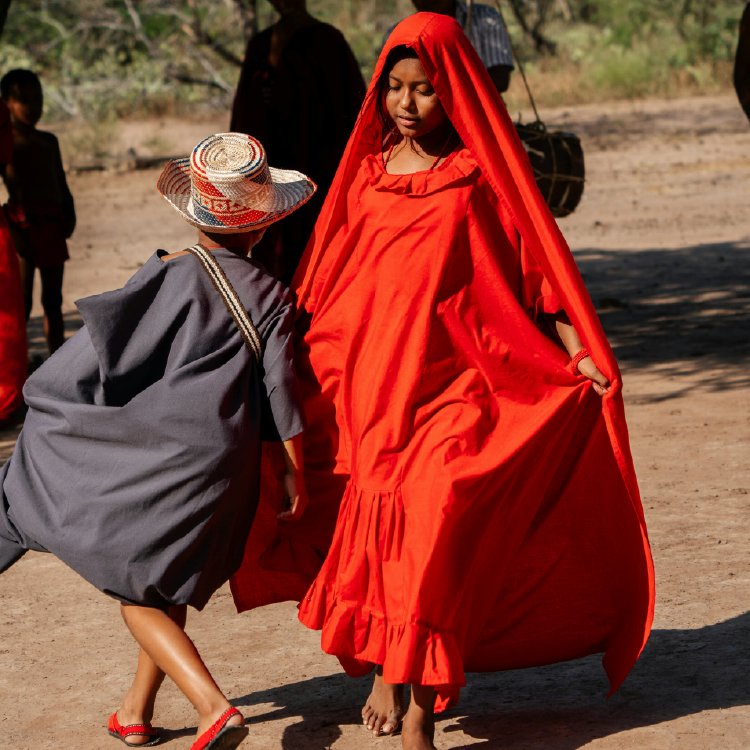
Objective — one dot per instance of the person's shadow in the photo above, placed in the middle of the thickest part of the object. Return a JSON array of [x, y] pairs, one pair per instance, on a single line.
[[323, 705], [681, 672]]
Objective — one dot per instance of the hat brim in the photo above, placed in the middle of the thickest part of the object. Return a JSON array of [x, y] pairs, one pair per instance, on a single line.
[[290, 191]]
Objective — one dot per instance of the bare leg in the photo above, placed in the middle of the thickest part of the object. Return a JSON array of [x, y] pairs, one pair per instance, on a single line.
[[54, 328], [385, 706], [418, 731], [138, 705], [169, 647]]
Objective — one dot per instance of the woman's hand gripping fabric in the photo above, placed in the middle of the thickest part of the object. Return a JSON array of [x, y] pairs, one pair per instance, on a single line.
[[587, 367]]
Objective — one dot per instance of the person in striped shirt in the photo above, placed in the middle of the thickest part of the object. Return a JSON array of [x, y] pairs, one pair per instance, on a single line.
[[488, 35]]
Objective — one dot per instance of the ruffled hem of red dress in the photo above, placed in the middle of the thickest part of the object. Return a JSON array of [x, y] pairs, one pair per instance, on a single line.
[[362, 638]]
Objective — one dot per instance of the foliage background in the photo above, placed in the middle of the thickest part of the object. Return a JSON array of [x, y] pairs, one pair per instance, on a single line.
[[102, 60], [615, 49]]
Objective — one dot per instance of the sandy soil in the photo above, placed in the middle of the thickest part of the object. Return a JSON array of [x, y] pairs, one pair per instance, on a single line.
[[663, 240]]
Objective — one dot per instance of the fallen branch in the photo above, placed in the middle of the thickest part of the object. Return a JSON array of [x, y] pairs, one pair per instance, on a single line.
[[184, 78]]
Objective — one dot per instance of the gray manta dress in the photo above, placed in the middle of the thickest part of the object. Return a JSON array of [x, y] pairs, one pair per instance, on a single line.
[[139, 461]]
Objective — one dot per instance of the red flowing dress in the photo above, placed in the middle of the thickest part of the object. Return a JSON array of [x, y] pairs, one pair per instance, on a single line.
[[13, 365], [475, 497]]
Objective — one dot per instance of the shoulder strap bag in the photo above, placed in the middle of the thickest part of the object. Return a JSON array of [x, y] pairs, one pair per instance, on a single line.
[[222, 285]]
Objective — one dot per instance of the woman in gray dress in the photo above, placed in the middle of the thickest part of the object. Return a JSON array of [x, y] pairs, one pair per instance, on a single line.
[[139, 462]]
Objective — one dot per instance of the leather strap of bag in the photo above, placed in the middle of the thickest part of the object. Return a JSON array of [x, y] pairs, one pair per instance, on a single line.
[[222, 285]]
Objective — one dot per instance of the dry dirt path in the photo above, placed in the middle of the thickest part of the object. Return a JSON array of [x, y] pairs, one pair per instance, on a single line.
[[663, 240]]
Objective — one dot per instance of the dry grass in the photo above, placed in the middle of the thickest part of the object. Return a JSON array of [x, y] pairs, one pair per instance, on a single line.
[[556, 84]]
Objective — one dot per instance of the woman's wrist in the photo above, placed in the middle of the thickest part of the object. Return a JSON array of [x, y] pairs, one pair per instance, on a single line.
[[578, 358]]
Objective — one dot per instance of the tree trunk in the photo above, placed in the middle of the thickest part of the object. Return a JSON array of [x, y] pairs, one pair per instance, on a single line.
[[4, 5]]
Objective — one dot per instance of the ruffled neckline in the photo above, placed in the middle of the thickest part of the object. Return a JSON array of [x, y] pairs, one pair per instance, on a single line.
[[458, 166]]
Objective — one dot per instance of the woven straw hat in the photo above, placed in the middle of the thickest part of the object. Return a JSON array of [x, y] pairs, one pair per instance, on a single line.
[[226, 186]]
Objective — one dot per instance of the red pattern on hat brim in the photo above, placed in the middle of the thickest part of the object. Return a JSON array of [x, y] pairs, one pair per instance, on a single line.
[[292, 190]]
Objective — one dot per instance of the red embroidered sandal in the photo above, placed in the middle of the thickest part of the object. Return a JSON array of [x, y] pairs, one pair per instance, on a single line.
[[146, 730], [221, 737]]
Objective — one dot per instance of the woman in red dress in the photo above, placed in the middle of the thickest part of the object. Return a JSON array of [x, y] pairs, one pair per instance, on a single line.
[[472, 458]]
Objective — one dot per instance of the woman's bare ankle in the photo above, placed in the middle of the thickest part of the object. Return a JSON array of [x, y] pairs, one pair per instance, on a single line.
[[418, 729], [135, 711]]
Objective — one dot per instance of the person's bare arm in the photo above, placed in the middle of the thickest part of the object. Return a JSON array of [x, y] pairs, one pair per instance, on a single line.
[[295, 493], [572, 342], [65, 195]]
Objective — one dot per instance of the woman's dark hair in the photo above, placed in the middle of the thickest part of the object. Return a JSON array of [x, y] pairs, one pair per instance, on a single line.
[[396, 55]]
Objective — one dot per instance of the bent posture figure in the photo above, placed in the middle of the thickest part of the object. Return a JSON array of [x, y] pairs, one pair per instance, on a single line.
[[471, 455], [139, 462]]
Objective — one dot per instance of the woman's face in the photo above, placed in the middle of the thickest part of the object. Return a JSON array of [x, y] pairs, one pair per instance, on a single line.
[[411, 101]]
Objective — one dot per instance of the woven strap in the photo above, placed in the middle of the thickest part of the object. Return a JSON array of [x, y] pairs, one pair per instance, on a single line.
[[209, 735], [231, 300], [144, 729], [125, 731]]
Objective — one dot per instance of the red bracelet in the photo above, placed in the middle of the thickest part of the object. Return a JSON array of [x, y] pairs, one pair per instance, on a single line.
[[577, 359]]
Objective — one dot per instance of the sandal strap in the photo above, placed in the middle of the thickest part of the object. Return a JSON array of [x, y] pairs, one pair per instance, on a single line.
[[207, 737], [144, 729]]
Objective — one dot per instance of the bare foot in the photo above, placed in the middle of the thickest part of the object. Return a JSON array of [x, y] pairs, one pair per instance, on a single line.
[[418, 731], [385, 707]]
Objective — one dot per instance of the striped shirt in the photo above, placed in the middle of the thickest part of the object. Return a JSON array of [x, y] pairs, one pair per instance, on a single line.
[[488, 34]]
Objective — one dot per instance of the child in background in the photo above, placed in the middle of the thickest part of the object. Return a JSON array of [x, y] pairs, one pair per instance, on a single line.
[[139, 461], [40, 208]]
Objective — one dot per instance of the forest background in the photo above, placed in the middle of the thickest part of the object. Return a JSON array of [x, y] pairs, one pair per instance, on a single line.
[[102, 61]]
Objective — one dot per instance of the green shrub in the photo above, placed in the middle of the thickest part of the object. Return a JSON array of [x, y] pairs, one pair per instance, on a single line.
[[98, 65]]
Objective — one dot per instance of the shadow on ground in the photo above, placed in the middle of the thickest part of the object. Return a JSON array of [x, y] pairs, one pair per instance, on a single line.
[[323, 705], [681, 672], [686, 310]]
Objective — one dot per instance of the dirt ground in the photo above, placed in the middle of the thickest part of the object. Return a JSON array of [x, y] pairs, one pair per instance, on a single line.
[[663, 240]]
